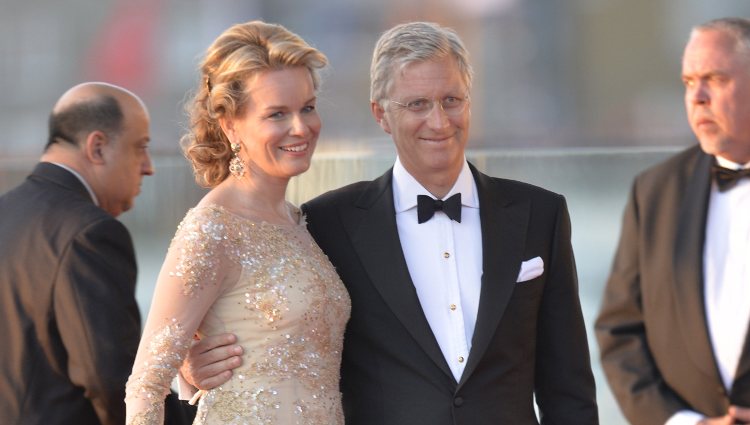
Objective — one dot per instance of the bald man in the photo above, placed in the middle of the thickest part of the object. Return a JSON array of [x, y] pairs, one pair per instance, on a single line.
[[70, 323]]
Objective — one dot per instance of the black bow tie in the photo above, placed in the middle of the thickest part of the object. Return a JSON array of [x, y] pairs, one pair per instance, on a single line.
[[426, 207], [726, 178]]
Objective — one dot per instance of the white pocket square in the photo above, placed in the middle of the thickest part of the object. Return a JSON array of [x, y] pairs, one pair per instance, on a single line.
[[531, 269]]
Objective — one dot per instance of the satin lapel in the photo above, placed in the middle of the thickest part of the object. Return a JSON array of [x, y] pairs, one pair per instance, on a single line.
[[741, 385], [688, 267], [504, 226], [375, 238]]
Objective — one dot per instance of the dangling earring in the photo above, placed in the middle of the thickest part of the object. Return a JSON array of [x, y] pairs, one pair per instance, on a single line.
[[236, 166]]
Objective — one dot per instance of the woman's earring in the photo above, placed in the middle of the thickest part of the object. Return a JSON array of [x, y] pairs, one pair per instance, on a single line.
[[236, 166]]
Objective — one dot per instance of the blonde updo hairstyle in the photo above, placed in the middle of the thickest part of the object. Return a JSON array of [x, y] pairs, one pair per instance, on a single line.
[[240, 52]]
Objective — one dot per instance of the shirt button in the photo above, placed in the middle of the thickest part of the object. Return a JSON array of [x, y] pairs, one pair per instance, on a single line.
[[446, 255], [460, 359], [453, 307]]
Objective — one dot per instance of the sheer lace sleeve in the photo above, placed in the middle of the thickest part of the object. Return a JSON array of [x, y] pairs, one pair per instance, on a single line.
[[192, 277]]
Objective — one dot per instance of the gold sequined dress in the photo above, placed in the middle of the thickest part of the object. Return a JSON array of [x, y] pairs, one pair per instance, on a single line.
[[272, 287]]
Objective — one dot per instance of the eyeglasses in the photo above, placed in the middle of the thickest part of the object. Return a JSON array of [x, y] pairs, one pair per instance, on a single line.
[[422, 107]]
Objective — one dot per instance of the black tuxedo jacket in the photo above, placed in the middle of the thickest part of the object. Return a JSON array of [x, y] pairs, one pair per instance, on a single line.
[[652, 328], [529, 338]]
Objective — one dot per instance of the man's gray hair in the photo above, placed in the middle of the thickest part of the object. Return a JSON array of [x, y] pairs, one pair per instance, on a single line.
[[738, 28], [414, 42]]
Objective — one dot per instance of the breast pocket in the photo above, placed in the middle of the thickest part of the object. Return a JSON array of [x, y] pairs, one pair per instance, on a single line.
[[531, 289]]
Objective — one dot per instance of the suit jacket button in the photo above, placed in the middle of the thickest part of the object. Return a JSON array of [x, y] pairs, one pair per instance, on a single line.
[[458, 401]]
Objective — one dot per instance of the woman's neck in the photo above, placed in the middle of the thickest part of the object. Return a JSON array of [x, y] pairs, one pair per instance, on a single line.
[[257, 200]]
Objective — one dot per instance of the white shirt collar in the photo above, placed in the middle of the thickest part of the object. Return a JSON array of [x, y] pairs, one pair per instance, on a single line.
[[730, 164], [82, 180], [406, 188]]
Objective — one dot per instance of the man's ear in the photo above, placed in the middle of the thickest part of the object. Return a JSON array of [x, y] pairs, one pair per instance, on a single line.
[[379, 113], [94, 146]]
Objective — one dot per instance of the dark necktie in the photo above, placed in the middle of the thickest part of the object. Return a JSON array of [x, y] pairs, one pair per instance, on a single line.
[[726, 178], [426, 207]]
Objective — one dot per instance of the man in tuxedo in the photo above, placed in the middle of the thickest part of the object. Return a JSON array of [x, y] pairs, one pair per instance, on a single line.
[[463, 286], [673, 324], [71, 324]]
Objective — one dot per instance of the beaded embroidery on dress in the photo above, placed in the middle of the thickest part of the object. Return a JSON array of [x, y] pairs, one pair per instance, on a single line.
[[272, 287]]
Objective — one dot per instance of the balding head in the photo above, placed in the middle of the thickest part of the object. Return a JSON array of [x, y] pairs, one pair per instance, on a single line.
[[90, 107], [101, 131]]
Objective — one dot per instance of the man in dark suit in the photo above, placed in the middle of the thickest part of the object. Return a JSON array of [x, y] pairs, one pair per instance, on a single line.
[[674, 320], [70, 322], [464, 309]]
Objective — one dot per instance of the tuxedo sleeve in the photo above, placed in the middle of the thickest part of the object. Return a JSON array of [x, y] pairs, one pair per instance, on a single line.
[[620, 329], [565, 388], [97, 315]]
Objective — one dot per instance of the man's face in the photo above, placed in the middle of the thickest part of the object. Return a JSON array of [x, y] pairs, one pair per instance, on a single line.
[[716, 75], [126, 161], [435, 143]]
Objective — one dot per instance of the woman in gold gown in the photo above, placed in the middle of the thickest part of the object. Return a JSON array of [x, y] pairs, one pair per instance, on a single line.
[[242, 261]]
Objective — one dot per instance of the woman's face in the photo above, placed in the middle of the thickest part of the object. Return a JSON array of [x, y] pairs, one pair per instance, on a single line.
[[278, 127]]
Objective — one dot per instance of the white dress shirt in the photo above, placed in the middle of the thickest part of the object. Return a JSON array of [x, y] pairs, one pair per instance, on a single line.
[[444, 258], [727, 273], [726, 277]]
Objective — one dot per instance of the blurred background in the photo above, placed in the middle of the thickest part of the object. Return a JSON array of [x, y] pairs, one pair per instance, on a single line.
[[576, 96]]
